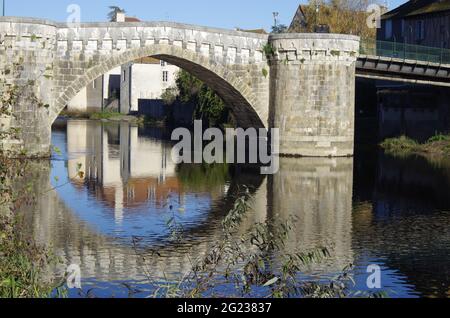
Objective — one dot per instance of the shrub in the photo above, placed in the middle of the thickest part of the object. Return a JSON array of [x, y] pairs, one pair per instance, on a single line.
[[399, 145]]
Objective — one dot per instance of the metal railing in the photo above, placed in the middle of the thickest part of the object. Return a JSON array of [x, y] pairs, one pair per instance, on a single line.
[[405, 51]]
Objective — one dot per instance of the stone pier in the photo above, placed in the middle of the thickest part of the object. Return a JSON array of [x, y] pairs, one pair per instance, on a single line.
[[312, 93]]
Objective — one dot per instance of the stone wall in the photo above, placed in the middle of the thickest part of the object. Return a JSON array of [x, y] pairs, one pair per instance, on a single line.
[[26, 64], [312, 93]]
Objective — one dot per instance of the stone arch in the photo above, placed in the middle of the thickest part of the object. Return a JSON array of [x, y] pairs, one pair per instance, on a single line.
[[224, 81]]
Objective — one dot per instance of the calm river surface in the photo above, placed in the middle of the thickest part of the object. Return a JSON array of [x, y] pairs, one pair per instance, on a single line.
[[371, 209]]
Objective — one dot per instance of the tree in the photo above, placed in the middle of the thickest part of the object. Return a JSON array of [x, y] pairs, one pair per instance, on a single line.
[[280, 28], [342, 16], [113, 11], [169, 96], [209, 106]]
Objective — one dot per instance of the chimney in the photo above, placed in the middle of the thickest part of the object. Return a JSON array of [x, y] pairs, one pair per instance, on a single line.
[[120, 17]]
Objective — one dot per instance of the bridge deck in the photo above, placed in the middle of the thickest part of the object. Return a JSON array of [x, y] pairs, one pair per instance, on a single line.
[[403, 70], [390, 60]]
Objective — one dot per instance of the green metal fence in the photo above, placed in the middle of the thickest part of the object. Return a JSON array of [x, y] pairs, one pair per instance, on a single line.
[[405, 51]]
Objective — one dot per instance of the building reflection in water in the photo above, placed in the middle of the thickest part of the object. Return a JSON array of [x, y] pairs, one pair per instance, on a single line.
[[127, 170]]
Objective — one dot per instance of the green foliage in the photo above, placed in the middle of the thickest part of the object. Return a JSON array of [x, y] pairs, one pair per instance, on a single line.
[[113, 11], [188, 86], [21, 261], [106, 114], [265, 73], [280, 28], [209, 106], [340, 16], [404, 146], [21, 264], [269, 50], [335, 53], [8, 99], [439, 138], [169, 96], [401, 144]]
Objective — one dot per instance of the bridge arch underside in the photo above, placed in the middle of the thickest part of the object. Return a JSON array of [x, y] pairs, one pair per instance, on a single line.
[[222, 79]]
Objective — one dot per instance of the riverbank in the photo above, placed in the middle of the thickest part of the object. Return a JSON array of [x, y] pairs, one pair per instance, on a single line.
[[23, 263], [111, 116], [438, 145]]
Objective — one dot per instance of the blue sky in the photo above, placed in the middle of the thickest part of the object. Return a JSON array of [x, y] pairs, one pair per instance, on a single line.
[[226, 14]]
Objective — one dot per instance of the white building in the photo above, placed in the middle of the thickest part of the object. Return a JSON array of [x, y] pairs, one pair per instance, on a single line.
[[142, 84], [89, 98], [139, 85], [111, 88]]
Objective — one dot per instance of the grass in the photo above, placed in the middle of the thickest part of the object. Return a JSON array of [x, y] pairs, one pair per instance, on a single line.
[[22, 262], [399, 145], [75, 114], [21, 266], [404, 146], [115, 116], [105, 115]]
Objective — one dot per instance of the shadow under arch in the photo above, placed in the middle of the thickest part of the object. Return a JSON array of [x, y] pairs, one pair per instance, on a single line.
[[225, 82]]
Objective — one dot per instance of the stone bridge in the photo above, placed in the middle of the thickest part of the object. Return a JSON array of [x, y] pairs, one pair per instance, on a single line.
[[303, 84]]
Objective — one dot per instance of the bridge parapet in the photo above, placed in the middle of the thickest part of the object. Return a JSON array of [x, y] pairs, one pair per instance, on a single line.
[[306, 48], [230, 47]]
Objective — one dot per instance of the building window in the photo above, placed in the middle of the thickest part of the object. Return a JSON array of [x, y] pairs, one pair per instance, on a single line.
[[420, 30], [163, 63], [124, 76], [388, 29], [165, 76]]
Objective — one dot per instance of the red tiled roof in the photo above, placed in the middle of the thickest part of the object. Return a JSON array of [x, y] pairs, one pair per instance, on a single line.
[[132, 19]]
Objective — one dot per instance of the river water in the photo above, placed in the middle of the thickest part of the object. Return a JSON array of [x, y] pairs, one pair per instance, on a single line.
[[371, 209]]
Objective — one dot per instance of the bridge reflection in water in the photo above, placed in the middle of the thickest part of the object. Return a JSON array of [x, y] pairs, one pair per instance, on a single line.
[[382, 210], [131, 187], [317, 192]]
